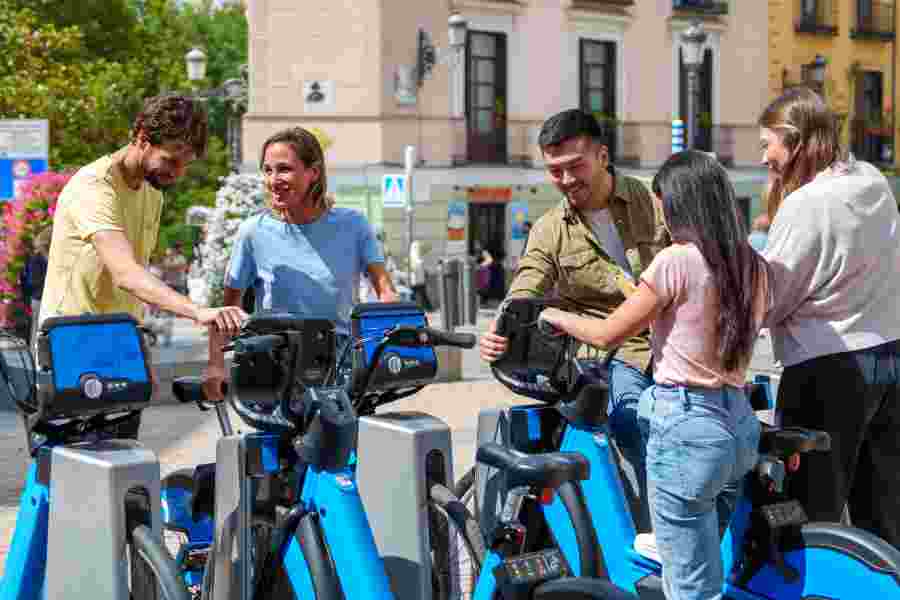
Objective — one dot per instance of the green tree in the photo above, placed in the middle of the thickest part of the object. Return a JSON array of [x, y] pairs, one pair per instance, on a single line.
[[87, 65], [107, 25], [221, 32]]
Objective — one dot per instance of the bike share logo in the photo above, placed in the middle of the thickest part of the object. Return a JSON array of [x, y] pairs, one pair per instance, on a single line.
[[395, 363]]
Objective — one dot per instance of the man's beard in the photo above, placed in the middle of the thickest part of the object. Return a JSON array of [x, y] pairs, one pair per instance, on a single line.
[[155, 183]]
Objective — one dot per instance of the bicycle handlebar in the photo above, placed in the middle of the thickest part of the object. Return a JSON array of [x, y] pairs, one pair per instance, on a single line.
[[449, 338]]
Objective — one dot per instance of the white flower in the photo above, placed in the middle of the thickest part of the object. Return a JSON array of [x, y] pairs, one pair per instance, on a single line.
[[240, 196]]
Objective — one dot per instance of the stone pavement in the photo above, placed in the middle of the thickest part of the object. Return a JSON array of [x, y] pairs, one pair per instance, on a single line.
[[182, 436]]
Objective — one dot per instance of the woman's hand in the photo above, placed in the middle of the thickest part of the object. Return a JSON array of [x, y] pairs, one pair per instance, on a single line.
[[556, 318]]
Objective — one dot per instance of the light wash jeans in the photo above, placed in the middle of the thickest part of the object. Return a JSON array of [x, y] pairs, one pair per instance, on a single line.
[[697, 445]]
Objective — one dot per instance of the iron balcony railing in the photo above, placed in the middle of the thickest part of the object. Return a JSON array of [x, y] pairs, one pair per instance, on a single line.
[[873, 19], [816, 16], [700, 7]]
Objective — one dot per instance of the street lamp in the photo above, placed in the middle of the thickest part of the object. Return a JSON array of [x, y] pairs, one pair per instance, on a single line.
[[693, 40], [233, 91]]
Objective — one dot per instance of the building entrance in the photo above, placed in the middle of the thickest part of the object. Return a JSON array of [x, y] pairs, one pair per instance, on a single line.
[[487, 231]]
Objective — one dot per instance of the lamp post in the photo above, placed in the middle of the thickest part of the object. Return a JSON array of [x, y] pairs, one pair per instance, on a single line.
[[693, 40], [234, 93], [427, 56]]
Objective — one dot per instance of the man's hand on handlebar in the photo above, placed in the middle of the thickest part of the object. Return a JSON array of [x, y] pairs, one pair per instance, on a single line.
[[227, 319], [492, 344]]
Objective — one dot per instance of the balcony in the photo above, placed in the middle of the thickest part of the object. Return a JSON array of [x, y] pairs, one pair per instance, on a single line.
[[712, 8], [873, 20], [816, 16]]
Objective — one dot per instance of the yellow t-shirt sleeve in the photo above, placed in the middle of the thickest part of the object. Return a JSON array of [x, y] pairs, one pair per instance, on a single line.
[[96, 209]]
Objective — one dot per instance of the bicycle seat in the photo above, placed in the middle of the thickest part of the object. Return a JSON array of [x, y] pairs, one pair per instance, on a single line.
[[549, 470], [580, 588], [785, 441]]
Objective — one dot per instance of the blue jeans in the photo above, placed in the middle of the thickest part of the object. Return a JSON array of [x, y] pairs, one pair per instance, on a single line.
[[697, 445]]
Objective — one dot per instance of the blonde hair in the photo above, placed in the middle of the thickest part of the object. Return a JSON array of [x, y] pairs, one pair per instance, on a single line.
[[809, 131]]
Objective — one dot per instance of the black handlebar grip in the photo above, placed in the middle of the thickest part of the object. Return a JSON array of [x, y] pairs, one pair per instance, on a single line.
[[258, 344], [548, 328], [448, 338]]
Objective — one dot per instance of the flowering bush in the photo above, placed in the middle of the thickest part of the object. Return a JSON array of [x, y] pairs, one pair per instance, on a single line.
[[22, 218], [240, 196]]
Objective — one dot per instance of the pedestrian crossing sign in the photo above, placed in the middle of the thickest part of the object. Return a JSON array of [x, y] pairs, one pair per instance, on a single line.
[[393, 191]]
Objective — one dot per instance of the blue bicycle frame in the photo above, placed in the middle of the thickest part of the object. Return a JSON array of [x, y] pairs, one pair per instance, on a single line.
[[334, 498], [26, 563], [334, 530], [832, 560]]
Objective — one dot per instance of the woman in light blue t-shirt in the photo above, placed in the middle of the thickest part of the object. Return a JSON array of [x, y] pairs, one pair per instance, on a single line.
[[304, 255]]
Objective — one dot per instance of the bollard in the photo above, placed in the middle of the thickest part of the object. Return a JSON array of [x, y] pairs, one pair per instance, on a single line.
[[442, 296], [451, 293], [470, 296]]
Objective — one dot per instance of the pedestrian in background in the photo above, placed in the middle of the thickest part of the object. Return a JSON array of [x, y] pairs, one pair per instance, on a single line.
[[417, 252], [834, 249], [34, 274], [175, 268]]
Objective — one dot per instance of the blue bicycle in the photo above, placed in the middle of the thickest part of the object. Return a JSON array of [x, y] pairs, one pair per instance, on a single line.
[[85, 487], [769, 549], [280, 515]]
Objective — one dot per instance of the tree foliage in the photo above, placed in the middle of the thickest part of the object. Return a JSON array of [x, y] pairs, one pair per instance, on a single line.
[[87, 65]]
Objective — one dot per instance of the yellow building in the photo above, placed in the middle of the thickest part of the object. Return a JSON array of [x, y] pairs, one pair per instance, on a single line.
[[857, 40]]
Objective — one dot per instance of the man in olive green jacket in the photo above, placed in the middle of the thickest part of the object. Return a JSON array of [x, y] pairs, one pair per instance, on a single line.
[[589, 251], [591, 248]]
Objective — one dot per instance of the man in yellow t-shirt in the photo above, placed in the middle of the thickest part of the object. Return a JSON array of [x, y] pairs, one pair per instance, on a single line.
[[107, 221]]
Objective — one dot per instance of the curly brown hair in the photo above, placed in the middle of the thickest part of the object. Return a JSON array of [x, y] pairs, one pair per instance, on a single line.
[[307, 149], [173, 118]]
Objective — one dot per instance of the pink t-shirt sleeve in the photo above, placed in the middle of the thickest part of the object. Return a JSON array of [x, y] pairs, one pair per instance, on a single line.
[[667, 274]]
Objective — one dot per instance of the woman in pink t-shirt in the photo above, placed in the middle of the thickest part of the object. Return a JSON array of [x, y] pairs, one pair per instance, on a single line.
[[704, 298]]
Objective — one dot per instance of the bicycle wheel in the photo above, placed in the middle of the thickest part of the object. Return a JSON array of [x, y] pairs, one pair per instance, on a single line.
[[457, 545], [832, 561], [152, 569]]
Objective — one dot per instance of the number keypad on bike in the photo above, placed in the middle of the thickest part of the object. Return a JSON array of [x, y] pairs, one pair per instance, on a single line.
[[784, 514]]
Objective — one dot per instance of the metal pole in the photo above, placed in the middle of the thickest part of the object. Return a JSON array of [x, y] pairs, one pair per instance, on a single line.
[[693, 101], [410, 163]]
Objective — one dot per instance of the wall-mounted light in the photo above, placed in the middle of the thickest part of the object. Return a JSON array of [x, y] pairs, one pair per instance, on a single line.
[[428, 55]]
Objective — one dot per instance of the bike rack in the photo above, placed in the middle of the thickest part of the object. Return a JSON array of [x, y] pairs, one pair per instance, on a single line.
[[416, 446]]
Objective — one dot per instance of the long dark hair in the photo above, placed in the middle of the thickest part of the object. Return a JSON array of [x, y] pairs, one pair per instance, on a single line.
[[809, 130], [699, 207]]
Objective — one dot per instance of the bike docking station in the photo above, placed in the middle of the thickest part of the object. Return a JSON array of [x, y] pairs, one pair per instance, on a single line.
[[405, 450], [325, 499], [90, 509]]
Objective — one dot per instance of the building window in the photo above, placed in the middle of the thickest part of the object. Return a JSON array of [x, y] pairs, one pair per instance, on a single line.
[[597, 76], [816, 16], [871, 128], [486, 101], [874, 19]]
